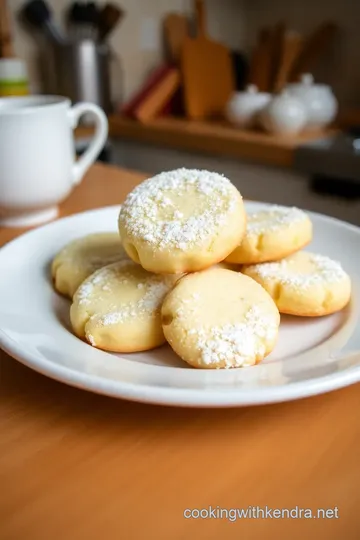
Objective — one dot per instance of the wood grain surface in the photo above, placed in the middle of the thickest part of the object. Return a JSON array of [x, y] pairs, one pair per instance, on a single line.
[[214, 138], [79, 466], [207, 72]]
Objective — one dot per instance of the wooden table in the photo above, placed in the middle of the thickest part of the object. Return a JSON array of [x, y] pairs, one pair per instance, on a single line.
[[78, 466]]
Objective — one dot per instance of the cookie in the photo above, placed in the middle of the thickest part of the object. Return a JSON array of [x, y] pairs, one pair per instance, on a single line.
[[218, 318], [304, 284], [182, 221], [118, 308], [272, 234], [79, 259]]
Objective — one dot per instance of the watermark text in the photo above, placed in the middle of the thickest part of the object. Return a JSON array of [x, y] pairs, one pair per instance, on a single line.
[[260, 512]]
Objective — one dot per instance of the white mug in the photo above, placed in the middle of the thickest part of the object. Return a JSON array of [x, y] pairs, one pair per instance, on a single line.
[[38, 167]]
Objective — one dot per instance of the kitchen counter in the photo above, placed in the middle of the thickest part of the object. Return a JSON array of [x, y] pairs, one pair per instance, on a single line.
[[219, 139], [79, 466]]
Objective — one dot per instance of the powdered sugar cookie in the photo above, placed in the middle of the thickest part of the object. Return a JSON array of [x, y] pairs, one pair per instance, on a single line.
[[79, 259], [304, 284], [218, 318], [118, 308], [272, 234], [182, 221]]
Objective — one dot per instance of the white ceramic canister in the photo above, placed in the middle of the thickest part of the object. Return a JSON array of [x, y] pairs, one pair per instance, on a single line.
[[318, 99]]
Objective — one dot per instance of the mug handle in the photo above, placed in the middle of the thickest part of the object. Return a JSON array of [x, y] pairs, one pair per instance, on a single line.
[[98, 141]]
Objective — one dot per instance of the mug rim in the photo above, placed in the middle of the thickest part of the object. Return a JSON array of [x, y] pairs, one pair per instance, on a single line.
[[32, 103]]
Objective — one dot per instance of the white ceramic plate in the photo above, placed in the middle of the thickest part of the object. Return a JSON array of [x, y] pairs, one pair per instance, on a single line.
[[312, 355]]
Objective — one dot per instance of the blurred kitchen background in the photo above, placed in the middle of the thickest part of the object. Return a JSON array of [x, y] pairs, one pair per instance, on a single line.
[[270, 96]]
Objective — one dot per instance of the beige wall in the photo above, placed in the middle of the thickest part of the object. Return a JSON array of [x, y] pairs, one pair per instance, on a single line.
[[136, 61], [233, 21]]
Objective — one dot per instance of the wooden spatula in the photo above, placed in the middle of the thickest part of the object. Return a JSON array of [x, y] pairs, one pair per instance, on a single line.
[[207, 71], [292, 45], [6, 45], [276, 45], [314, 47], [109, 17], [260, 64], [176, 29]]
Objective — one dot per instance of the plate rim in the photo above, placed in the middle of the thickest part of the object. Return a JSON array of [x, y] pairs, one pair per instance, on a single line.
[[175, 396]]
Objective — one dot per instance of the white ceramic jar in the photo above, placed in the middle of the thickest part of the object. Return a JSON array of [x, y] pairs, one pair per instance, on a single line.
[[243, 107], [318, 99], [284, 115]]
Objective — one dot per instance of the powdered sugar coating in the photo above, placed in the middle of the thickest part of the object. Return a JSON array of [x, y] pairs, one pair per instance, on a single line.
[[148, 305], [101, 277], [237, 345], [152, 289], [149, 214], [220, 319], [273, 219], [325, 271]]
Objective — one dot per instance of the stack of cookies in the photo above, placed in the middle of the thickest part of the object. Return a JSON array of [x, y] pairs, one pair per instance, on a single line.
[[190, 267]]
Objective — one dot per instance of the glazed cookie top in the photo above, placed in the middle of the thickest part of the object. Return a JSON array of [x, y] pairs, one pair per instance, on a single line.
[[301, 270], [179, 209], [274, 218], [122, 291]]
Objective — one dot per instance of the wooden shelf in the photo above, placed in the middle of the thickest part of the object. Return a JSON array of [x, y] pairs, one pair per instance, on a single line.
[[213, 138]]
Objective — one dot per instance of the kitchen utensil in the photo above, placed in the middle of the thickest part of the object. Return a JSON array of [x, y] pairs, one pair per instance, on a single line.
[[276, 46], [13, 77], [315, 45], [292, 45], [260, 64], [74, 14], [91, 20], [38, 14], [207, 71], [93, 13], [83, 19], [77, 20], [83, 72], [243, 107], [37, 167], [318, 99], [109, 17], [284, 115], [6, 45], [176, 29], [159, 96], [240, 69]]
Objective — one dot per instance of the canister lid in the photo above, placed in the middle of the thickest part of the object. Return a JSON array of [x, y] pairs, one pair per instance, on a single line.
[[12, 69]]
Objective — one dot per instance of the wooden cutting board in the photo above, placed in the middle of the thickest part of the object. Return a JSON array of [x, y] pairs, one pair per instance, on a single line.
[[207, 72], [261, 61], [176, 29], [314, 46], [291, 50], [276, 49], [6, 45]]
